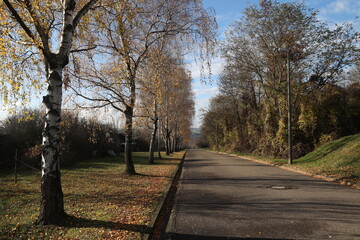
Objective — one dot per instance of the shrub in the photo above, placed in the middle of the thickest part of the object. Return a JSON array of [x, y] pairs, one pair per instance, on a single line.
[[80, 137]]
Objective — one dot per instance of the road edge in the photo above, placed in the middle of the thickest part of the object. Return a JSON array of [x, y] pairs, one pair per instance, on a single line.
[[174, 209], [162, 204], [296, 170]]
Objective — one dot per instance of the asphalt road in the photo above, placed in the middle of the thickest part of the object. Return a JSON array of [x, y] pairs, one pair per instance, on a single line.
[[225, 197]]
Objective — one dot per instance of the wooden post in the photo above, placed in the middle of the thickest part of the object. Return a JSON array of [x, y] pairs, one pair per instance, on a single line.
[[15, 177]]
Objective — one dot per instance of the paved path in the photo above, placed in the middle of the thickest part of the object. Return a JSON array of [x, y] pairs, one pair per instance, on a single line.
[[225, 197]]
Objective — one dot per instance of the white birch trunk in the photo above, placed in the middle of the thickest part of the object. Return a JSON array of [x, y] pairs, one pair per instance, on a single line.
[[52, 203]]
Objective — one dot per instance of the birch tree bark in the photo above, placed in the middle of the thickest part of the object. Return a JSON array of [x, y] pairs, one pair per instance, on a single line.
[[41, 33], [52, 204]]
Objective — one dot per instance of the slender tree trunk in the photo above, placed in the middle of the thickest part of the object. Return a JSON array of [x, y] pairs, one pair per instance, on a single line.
[[175, 137], [52, 203], [216, 137], [167, 136], [167, 142], [170, 143], [159, 142], [153, 135], [152, 143], [173, 145], [177, 143], [129, 164]]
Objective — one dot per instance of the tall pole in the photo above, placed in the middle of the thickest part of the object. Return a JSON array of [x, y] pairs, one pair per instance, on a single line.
[[289, 108]]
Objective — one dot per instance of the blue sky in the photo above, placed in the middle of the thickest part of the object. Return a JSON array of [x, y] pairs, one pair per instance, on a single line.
[[228, 11]]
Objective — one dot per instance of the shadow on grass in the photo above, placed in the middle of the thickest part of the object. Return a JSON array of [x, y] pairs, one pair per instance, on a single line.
[[76, 222], [139, 158], [152, 176], [327, 149], [350, 178], [34, 230], [106, 162]]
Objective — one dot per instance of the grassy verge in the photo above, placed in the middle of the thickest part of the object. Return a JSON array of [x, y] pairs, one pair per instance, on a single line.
[[101, 202], [339, 159]]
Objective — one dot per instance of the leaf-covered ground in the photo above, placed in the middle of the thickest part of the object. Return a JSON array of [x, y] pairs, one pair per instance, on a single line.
[[101, 202]]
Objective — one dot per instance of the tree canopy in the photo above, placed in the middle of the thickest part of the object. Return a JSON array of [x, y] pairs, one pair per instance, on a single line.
[[250, 113]]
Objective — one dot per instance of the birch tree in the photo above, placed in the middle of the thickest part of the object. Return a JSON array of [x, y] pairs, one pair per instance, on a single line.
[[37, 38], [179, 111], [177, 105], [127, 31], [150, 95], [166, 96]]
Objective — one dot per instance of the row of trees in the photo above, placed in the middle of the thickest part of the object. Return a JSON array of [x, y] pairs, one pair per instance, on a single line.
[[250, 112], [104, 51], [168, 103]]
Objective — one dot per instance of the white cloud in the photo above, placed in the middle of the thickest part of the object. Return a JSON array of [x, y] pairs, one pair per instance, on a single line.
[[197, 84], [200, 105], [340, 9], [203, 94], [208, 91], [338, 12], [344, 6], [228, 18], [204, 91]]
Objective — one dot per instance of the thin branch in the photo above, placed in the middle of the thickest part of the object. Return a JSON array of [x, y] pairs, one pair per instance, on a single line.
[[83, 11], [82, 50], [20, 21], [44, 37]]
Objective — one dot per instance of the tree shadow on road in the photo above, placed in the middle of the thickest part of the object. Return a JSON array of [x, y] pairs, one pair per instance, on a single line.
[[174, 236]]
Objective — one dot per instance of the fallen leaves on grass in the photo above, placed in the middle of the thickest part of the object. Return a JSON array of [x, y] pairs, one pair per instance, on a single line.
[[101, 202]]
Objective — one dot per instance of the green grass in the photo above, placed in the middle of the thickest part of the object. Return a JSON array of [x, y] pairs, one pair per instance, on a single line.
[[102, 203], [339, 159]]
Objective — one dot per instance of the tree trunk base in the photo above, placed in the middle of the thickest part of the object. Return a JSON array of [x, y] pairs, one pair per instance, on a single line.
[[56, 221], [125, 173], [52, 204], [151, 160]]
